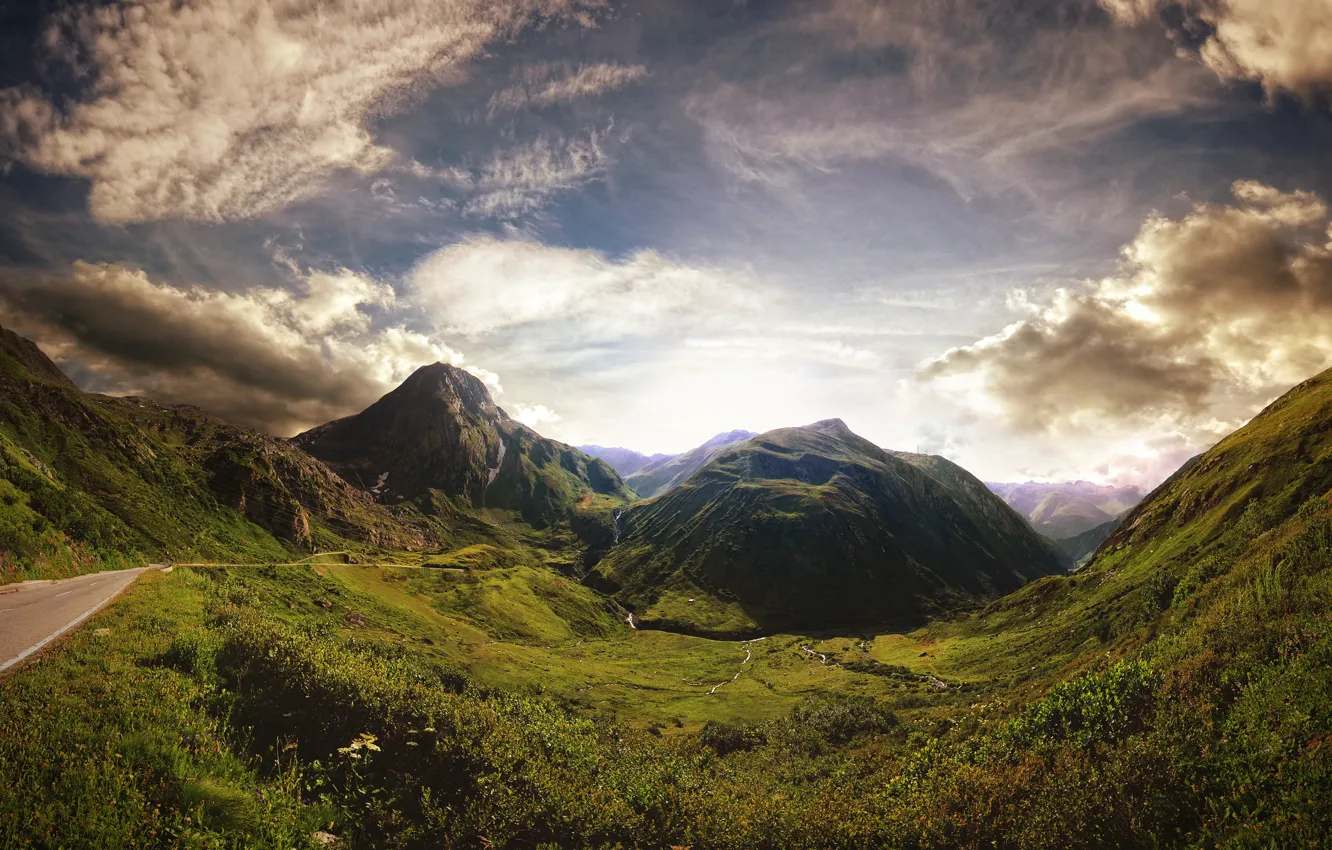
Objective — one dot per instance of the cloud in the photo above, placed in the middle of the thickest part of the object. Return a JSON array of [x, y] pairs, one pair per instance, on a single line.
[[269, 358], [548, 83], [1210, 316], [485, 284], [1284, 44], [534, 415], [522, 180], [228, 109], [975, 93]]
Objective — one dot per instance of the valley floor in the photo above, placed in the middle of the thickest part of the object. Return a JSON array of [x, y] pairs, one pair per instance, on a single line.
[[419, 706]]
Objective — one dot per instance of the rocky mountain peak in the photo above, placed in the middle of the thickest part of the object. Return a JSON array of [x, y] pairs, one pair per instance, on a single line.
[[830, 427]]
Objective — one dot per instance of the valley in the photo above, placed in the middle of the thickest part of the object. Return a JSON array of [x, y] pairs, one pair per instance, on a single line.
[[482, 638]]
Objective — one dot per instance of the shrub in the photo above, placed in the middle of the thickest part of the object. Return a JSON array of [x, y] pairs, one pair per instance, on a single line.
[[1103, 706], [840, 718], [725, 738]]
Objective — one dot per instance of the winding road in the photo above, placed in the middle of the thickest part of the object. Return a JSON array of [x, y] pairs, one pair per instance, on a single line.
[[34, 614]]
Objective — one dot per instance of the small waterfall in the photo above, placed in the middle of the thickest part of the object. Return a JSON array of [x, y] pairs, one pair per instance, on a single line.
[[499, 463]]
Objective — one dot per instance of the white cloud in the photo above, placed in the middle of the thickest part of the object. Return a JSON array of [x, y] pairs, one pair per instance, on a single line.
[[534, 415], [549, 83], [227, 109], [486, 284], [521, 180], [949, 109]]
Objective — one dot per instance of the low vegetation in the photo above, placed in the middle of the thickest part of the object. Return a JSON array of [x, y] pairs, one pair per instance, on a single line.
[[1175, 692]]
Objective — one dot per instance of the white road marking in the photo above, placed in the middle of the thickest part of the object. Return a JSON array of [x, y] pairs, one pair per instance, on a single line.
[[66, 593], [37, 646]]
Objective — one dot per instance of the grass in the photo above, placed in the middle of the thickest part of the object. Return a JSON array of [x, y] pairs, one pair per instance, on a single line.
[[102, 745], [1177, 692]]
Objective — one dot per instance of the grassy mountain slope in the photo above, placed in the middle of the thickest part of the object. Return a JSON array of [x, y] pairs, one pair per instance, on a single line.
[[661, 475], [816, 527], [440, 435], [1174, 694], [88, 481]]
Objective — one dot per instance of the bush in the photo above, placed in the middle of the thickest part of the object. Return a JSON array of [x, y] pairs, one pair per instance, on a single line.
[[840, 718], [1102, 707], [193, 652], [725, 738]]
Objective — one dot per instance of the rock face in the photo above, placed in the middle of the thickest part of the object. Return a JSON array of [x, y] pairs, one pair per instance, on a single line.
[[440, 432], [95, 479], [817, 528]]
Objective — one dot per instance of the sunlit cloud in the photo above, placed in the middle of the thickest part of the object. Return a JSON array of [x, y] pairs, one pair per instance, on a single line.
[[1284, 44], [276, 359], [549, 83], [1211, 315], [233, 108]]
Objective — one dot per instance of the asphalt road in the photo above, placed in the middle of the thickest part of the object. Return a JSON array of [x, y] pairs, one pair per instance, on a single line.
[[35, 614]]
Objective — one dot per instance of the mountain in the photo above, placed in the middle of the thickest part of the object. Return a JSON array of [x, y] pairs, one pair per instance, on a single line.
[[89, 480], [661, 475], [624, 461], [440, 436], [817, 528], [1080, 547], [1278, 463], [1066, 509]]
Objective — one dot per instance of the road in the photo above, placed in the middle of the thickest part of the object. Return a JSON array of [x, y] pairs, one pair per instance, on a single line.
[[34, 614]]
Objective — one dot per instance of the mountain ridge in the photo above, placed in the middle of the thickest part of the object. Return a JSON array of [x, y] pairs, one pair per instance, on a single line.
[[622, 460], [657, 477], [441, 433], [817, 527], [90, 481], [1067, 508]]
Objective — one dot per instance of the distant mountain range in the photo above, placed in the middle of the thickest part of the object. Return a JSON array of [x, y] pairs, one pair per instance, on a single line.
[[816, 528], [1067, 509], [624, 461], [661, 472], [811, 527]]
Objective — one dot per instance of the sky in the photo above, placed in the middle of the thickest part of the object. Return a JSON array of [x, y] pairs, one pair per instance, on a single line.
[[1048, 239]]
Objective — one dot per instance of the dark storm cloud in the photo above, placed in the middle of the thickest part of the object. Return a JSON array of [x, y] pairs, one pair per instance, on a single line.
[[270, 358]]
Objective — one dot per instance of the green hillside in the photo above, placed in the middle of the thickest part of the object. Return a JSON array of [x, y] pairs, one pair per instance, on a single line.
[[818, 528], [89, 481], [1173, 694]]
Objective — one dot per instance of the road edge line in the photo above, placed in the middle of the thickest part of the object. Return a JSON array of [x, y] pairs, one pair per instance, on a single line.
[[38, 647]]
